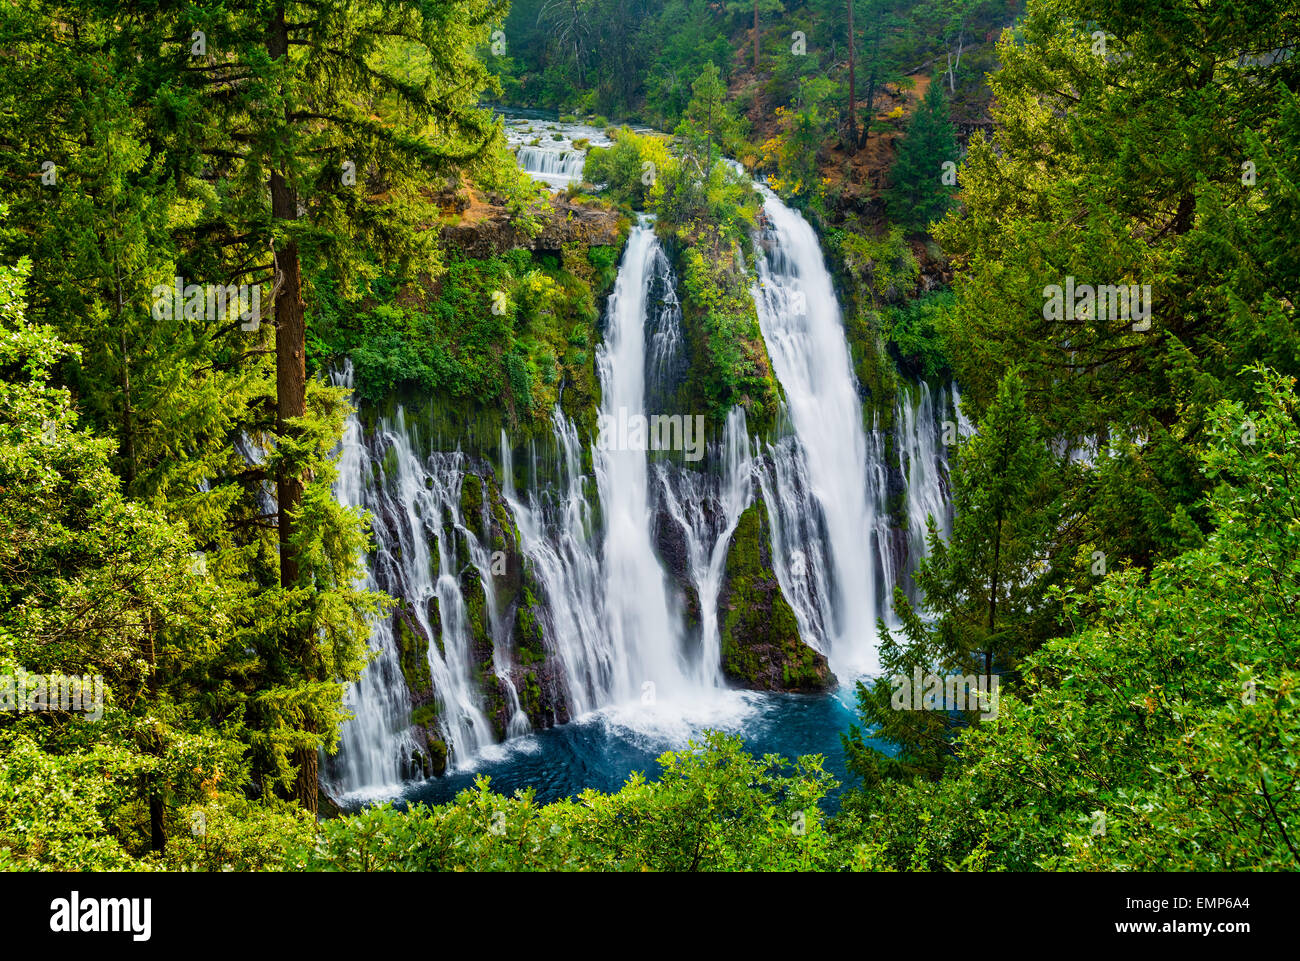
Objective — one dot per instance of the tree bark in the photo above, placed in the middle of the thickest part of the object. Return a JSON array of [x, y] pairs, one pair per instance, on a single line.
[[853, 112], [871, 87], [153, 783], [993, 597], [306, 787], [128, 428], [290, 374], [290, 398], [290, 335]]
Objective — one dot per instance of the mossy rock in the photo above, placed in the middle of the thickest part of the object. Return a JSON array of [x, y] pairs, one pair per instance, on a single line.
[[390, 461], [413, 654], [437, 757], [435, 618], [471, 503], [480, 633], [529, 643], [761, 647], [728, 358], [530, 696], [425, 715]]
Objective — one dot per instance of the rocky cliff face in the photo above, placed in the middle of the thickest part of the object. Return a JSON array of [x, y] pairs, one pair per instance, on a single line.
[[761, 648], [487, 229], [510, 632]]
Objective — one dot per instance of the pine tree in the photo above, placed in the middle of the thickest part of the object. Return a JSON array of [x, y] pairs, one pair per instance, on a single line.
[[917, 195], [983, 592], [263, 146], [1099, 169], [298, 89], [989, 579], [709, 119], [743, 8]]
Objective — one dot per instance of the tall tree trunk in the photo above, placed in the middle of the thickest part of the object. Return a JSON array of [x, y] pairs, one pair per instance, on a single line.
[[755, 36], [290, 335], [128, 428], [290, 397], [993, 598], [871, 86], [127, 447], [853, 111], [290, 369], [306, 788], [153, 782]]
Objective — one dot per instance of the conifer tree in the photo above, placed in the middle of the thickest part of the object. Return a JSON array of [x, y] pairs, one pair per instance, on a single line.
[[983, 591], [917, 194], [298, 89], [264, 146]]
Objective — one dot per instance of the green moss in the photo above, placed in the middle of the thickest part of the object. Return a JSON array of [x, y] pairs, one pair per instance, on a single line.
[[530, 696], [876, 275], [528, 632], [437, 757], [476, 609], [729, 361], [471, 503], [435, 619], [873, 367], [760, 633], [413, 656], [390, 461], [493, 342], [506, 535]]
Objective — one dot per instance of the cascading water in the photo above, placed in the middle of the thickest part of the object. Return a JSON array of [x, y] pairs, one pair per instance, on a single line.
[[800, 319], [557, 533], [923, 463], [552, 153], [421, 541], [376, 745], [611, 613], [706, 508], [645, 629], [552, 164], [611, 618]]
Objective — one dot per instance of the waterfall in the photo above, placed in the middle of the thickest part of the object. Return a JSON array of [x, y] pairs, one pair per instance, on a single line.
[[376, 745], [424, 549], [923, 463], [557, 533], [646, 631], [627, 555], [552, 163], [706, 509], [551, 152], [800, 319], [611, 618]]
